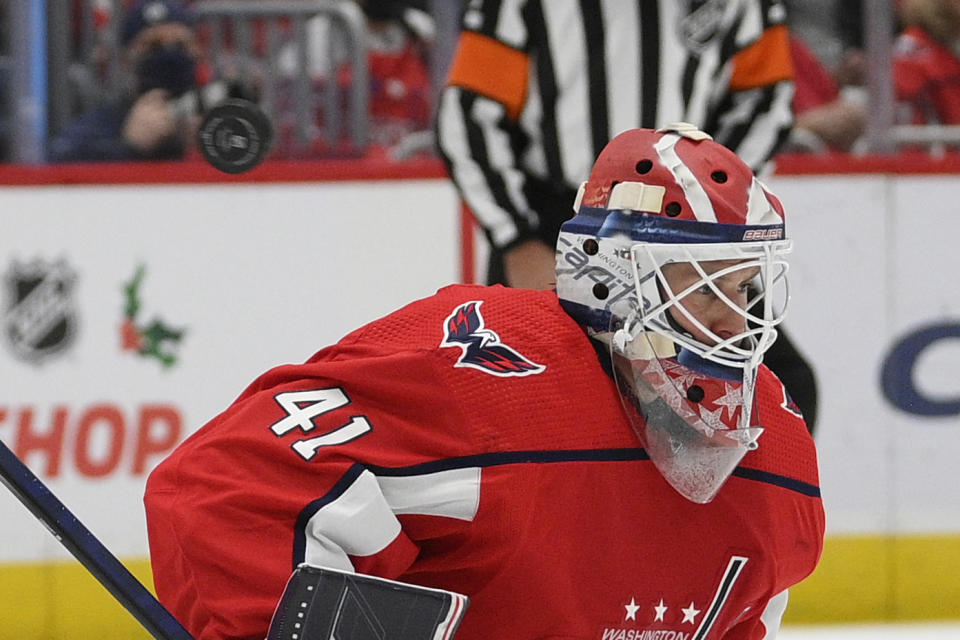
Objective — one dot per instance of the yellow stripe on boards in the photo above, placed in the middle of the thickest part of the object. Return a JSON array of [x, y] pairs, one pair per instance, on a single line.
[[62, 601], [878, 578], [860, 579]]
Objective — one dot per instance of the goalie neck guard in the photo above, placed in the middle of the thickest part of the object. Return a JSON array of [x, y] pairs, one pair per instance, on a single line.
[[675, 259]]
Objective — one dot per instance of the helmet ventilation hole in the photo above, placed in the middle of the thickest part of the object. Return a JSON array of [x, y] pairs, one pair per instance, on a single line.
[[600, 291], [644, 166], [591, 247], [673, 209], [719, 176], [695, 393]]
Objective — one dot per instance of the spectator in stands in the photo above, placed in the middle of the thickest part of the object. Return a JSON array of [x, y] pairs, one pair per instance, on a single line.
[[829, 101], [926, 65], [833, 31], [399, 34], [828, 117], [156, 117]]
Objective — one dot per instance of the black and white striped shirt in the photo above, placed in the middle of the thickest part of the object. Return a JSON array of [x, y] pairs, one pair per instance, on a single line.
[[538, 87]]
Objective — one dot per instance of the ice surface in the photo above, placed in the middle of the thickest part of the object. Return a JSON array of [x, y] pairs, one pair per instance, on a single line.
[[919, 631]]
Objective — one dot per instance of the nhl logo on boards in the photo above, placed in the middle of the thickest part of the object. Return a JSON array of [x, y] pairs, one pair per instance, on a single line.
[[39, 319], [234, 136]]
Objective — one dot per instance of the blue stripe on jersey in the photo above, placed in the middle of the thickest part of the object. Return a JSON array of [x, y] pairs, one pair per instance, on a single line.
[[513, 457], [792, 484], [578, 455]]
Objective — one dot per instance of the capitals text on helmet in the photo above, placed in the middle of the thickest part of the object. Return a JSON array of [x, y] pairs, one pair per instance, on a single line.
[[580, 266]]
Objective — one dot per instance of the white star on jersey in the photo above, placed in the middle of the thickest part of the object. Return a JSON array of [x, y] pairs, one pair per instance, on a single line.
[[682, 375], [732, 399], [665, 386], [660, 609], [631, 609], [690, 614], [712, 419]]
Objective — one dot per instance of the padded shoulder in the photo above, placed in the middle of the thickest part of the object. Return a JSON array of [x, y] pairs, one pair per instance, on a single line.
[[423, 324]]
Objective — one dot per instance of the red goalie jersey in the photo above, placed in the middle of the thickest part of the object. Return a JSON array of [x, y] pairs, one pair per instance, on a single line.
[[473, 441]]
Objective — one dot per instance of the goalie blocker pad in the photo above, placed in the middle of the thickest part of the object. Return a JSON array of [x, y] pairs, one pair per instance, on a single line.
[[328, 604]]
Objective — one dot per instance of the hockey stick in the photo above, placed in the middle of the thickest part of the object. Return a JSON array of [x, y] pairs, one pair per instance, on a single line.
[[86, 548]]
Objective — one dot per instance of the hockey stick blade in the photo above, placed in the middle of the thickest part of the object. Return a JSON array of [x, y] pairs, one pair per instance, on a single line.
[[86, 548]]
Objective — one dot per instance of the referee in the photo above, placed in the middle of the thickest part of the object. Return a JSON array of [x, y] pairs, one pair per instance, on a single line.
[[538, 87]]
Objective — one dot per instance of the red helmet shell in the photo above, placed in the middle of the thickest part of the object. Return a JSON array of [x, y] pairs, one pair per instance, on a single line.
[[704, 180]]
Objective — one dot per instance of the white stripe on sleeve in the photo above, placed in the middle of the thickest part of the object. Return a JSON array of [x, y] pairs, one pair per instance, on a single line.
[[453, 494], [359, 522], [362, 520], [773, 614]]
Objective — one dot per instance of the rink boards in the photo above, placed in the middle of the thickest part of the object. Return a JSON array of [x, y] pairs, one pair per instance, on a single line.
[[244, 274]]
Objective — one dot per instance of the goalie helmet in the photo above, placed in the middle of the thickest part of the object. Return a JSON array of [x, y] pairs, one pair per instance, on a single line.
[[675, 259]]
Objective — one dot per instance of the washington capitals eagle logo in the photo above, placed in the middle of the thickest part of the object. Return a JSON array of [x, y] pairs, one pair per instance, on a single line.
[[481, 347]]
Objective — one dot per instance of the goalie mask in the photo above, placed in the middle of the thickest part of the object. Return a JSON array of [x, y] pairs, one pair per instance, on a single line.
[[675, 259]]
